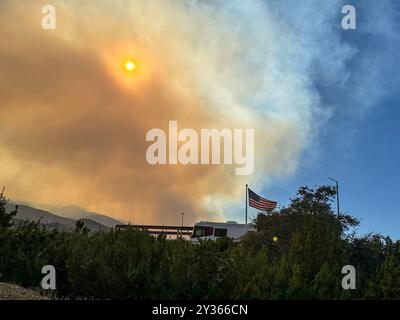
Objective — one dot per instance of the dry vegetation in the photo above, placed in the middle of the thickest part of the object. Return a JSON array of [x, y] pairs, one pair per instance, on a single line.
[[13, 292]]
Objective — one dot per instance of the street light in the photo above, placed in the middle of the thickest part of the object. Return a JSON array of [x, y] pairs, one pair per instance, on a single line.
[[337, 194], [182, 213]]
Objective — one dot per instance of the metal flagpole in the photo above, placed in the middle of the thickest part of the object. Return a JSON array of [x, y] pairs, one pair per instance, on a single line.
[[247, 187]]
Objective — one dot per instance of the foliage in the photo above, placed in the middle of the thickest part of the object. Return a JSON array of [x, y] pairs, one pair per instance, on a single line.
[[313, 244], [5, 217]]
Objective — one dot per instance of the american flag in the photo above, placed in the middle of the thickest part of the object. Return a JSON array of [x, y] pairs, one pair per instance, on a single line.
[[260, 203]]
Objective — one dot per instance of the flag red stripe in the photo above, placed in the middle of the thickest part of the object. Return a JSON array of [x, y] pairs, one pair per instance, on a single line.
[[267, 202], [262, 208], [257, 205]]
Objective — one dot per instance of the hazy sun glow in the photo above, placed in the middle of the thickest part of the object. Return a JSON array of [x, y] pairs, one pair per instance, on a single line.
[[130, 66]]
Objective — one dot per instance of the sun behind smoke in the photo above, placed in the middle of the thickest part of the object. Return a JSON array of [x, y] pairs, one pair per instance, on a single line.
[[130, 66]]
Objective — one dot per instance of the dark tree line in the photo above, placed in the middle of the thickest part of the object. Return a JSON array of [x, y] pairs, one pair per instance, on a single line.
[[312, 245]]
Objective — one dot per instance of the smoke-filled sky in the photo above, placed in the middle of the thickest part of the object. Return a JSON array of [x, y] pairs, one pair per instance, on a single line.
[[74, 122]]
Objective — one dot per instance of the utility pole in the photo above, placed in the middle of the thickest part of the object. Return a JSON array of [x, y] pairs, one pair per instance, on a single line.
[[182, 213], [337, 194]]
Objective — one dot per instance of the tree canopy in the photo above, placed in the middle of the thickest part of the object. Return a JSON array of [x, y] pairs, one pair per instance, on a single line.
[[297, 253]]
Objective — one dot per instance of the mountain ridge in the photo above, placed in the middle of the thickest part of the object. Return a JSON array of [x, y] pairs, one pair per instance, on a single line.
[[51, 220], [73, 212]]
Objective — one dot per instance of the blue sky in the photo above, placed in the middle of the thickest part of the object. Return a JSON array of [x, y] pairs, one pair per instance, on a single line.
[[368, 173], [359, 144]]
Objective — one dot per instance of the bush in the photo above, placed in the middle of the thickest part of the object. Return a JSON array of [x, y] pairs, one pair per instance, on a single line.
[[304, 263]]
